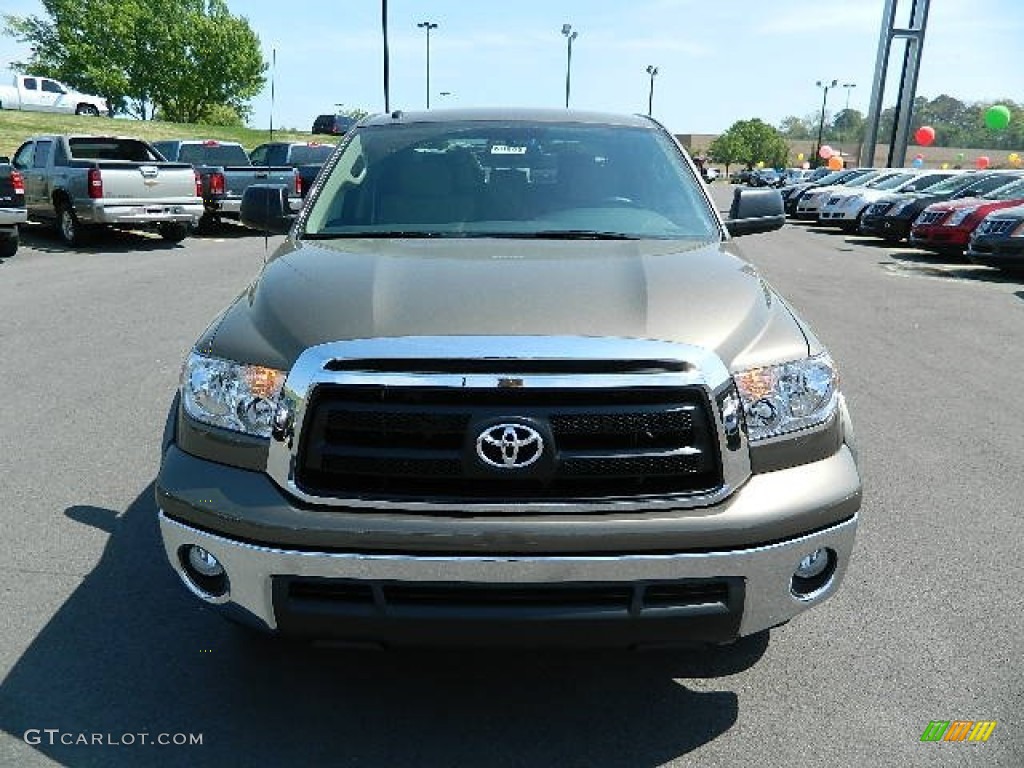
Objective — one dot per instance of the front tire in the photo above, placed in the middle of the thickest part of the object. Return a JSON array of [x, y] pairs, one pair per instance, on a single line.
[[89, 110], [173, 231], [9, 245]]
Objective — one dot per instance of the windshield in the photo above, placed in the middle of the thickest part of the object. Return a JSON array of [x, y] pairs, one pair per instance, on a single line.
[[865, 180], [984, 186], [511, 179], [1010, 191], [889, 180], [952, 184]]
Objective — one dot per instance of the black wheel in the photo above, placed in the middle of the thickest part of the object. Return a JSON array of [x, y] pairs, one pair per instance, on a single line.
[[68, 226], [87, 109], [9, 245], [208, 224], [173, 231]]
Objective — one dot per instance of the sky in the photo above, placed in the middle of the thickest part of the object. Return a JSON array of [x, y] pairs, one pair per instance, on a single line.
[[718, 60]]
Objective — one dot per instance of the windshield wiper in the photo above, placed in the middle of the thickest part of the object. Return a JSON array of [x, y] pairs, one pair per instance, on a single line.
[[378, 233], [564, 234]]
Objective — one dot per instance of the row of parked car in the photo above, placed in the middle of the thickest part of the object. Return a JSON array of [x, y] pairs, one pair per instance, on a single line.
[[775, 177], [81, 184], [977, 214]]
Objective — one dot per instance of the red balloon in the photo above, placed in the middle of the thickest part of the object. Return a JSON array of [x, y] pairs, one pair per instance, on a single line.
[[982, 163], [925, 135]]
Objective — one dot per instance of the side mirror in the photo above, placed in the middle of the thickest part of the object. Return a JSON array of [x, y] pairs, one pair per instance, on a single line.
[[5, 159], [266, 207], [754, 211]]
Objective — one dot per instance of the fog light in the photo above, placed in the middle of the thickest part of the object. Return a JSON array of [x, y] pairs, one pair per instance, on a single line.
[[203, 573], [204, 563], [809, 567], [813, 574]]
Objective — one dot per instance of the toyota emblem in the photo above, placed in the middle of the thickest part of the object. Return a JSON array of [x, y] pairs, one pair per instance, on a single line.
[[509, 446]]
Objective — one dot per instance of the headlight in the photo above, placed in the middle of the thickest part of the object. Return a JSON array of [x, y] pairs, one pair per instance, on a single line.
[[958, 216], [784, 398], [230, 395]]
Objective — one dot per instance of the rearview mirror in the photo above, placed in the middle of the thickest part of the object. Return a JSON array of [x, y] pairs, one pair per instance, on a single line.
[[266, 207], [754, 211]]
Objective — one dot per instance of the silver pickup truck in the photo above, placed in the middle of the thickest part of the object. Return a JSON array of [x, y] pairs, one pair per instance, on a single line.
[[225, 172], [84, 182]]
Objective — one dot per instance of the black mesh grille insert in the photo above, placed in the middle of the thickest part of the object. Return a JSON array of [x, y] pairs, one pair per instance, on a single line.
[[421, 443]]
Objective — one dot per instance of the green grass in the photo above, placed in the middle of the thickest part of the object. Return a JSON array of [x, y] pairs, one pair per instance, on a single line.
[[16, 126]]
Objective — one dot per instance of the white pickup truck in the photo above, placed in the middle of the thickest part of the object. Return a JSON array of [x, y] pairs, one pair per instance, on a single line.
[[88, 182], [43, 94]]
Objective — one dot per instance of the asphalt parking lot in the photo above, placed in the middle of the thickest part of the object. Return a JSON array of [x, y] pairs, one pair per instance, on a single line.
[[101, 638]]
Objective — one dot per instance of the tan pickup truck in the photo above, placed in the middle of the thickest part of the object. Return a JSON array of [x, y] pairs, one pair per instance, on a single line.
[[82, 183], [509, 380]]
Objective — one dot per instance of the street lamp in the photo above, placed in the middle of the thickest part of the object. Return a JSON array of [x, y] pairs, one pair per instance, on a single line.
[[821, 123], [846, 112], [428, 25], [653, 72], [387, 72], [569, 37]]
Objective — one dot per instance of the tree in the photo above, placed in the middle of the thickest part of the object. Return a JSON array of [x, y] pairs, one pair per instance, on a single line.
[[186, 57], [725, 149], [754, 141], [793, 127]]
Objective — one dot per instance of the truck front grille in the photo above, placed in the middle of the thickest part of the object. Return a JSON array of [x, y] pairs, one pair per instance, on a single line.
[[421, 442]]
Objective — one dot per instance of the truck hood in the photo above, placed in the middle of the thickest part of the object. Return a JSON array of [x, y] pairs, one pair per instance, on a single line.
[[313, 292]]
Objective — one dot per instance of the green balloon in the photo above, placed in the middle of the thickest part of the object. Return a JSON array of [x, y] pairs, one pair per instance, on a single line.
[[997, 117]]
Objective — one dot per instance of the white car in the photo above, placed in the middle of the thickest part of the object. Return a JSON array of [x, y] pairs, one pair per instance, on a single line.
[[810, 202], [844, 209], [43, 94]]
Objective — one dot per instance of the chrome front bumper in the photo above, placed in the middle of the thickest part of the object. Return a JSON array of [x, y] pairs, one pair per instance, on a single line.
[[766, 570]]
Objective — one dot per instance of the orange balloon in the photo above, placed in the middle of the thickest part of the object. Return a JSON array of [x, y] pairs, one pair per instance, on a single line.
[[835, 163]]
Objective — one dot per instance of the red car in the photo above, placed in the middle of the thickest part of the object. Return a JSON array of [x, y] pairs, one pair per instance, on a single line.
[[947, 226]]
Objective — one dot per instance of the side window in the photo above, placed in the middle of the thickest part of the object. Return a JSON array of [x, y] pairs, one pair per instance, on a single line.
[[259, 156], [30, 84], [42, 156], [23, 157], [277, 155], [51, 87]]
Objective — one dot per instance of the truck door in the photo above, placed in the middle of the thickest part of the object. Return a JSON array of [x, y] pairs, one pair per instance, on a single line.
[[51, 96], [31, 96], [23, 162], [37, 180]]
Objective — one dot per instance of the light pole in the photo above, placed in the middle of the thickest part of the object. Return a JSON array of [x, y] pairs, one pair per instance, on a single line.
[[653, 72], [569, 37], [846, 112], [821, 123], [428, 25], [387, 75]]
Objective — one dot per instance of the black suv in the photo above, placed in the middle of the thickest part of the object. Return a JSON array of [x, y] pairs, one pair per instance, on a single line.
[[336, 125]]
